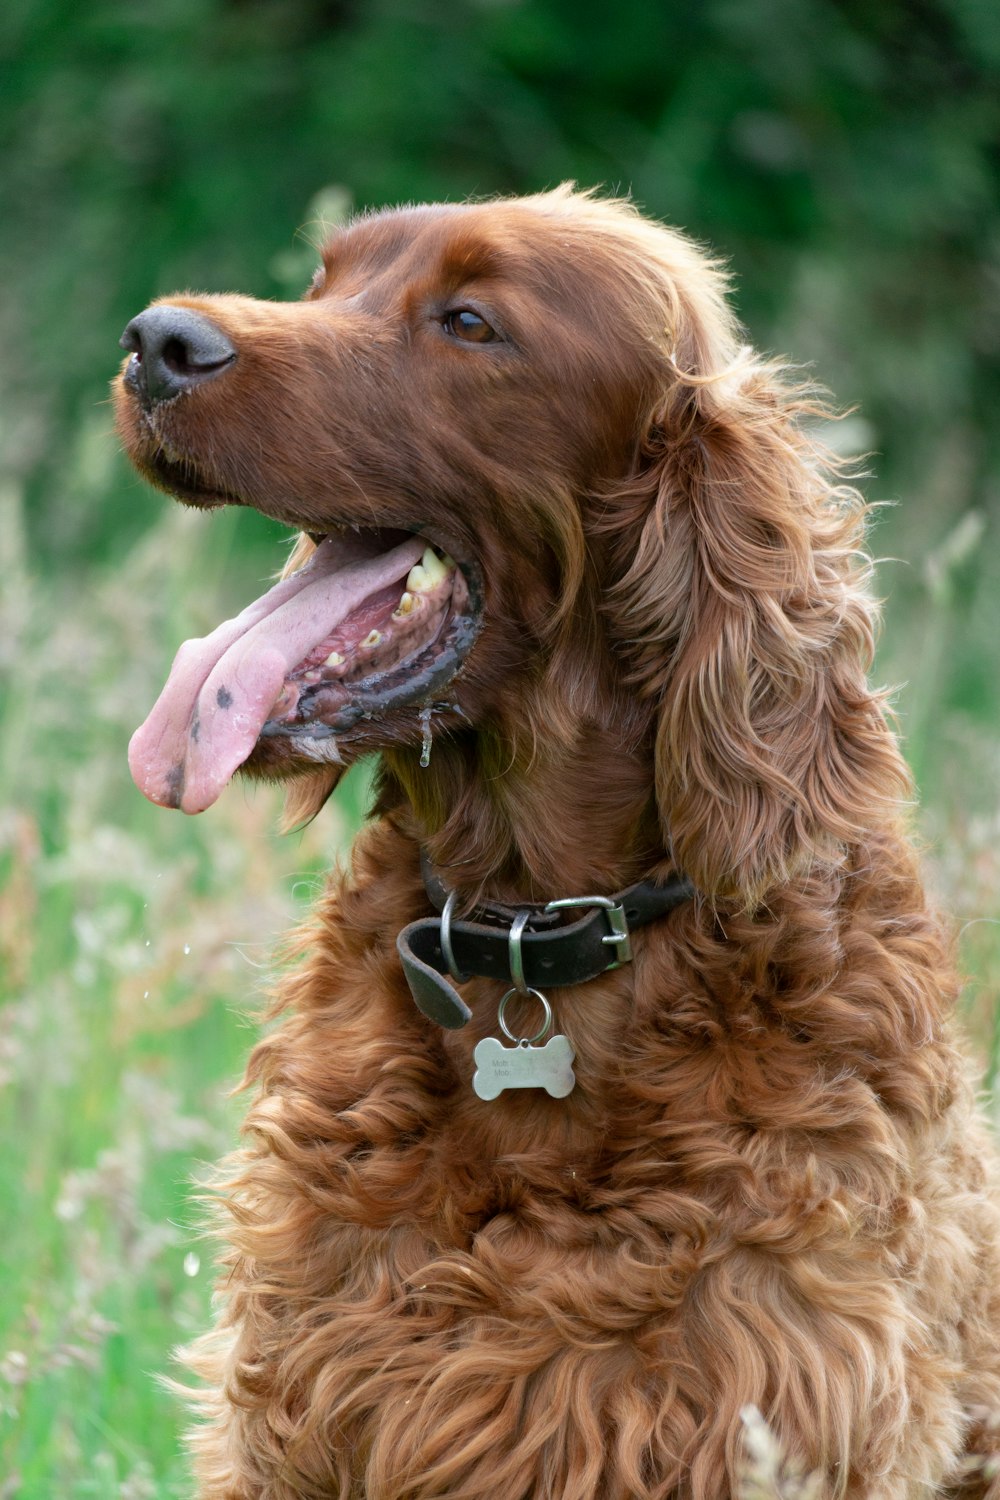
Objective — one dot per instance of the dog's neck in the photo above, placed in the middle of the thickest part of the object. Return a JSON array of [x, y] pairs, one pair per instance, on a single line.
[[576, 819]]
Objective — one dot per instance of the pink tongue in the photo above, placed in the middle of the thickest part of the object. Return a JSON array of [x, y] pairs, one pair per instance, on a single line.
[[222, 687]]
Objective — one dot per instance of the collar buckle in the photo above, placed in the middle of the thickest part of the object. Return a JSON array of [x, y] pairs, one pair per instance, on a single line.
[[614, 911]]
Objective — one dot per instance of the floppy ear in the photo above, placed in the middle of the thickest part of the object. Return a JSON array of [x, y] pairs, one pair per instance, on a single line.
[[741, 598]]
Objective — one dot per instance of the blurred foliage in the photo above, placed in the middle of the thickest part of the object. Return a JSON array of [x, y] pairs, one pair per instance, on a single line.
[[844, 156]]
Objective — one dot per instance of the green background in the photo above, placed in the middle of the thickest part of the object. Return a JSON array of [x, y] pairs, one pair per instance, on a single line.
[[843, 156]]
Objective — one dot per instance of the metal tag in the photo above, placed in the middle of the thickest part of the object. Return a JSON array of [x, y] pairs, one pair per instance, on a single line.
[[524, 1066]]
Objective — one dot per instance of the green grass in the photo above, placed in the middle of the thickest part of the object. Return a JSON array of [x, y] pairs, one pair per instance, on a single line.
[[134, 946]]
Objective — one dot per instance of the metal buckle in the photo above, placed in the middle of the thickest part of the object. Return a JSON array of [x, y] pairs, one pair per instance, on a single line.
[[615, 913]]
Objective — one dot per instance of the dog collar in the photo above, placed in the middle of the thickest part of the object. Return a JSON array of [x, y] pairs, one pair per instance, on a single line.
[[523, 945]]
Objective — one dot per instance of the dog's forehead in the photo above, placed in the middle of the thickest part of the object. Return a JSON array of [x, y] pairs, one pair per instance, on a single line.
[[460, 242]]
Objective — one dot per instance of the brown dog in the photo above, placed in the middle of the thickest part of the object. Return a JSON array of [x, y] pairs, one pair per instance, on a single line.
[[575, 569]]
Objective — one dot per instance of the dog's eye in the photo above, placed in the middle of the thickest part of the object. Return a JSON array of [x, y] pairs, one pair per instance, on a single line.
[[463, 323]]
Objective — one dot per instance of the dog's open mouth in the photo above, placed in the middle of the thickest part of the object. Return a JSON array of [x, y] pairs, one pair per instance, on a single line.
[[373, 621]]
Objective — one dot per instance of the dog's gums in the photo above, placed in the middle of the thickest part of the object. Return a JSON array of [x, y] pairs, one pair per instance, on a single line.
[[398, 624]]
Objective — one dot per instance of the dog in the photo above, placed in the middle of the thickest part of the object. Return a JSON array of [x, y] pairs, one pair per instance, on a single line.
[[615, 1091]]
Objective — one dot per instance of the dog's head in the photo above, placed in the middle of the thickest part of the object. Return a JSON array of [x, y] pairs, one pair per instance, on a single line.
[[540, 486]]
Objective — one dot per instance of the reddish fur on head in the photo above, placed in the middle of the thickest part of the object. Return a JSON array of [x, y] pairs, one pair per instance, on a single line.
[[636, 486]]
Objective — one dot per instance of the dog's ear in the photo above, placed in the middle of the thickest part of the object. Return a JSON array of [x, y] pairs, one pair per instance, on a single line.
[[741, 602]]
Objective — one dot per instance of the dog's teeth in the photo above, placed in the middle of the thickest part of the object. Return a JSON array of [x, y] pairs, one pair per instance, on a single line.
[[373, 638], [407, 604], [334, 660], [427, 573]]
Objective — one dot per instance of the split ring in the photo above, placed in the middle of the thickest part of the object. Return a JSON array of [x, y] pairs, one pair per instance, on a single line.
[[528, 1041]]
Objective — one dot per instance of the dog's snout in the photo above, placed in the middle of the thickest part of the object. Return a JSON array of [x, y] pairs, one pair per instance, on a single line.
[[173, 348]]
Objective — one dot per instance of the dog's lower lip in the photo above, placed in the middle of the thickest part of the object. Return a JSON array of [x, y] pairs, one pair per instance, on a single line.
[[185, 483]]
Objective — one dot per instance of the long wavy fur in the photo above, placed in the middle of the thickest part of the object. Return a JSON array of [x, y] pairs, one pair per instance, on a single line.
[[770, 1187]]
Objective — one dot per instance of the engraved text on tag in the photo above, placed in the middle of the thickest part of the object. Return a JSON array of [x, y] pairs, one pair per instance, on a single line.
[[524, 1067]]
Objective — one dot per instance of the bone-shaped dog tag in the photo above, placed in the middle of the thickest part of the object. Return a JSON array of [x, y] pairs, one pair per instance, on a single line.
[[524, 1067]]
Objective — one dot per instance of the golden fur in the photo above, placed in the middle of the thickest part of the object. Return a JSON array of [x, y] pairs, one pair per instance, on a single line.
[[769, 1186]]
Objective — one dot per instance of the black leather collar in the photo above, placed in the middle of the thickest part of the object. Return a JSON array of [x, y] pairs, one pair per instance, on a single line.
[[551, 953]]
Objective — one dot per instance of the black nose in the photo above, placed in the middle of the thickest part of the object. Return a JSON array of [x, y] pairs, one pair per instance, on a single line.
[[173, 349]]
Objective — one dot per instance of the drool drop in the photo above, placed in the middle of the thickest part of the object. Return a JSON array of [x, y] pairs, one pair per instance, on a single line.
[[425, 753]]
